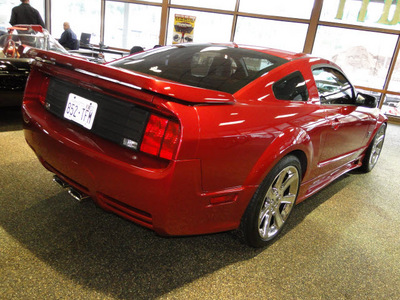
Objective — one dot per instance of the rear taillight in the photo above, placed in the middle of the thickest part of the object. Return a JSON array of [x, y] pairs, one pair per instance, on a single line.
[[37, 86], [171, 140], [161, 137]]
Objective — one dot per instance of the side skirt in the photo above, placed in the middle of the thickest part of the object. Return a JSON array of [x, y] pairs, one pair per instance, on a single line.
[[314, 185]]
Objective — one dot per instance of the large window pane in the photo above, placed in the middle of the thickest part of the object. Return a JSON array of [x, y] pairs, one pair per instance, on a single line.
[[7, 5], [220, 4], [288, 8], [391, 105], [209, 27], [364, 56], [377, 13], [128, 25], [275, 34], [83, 16]]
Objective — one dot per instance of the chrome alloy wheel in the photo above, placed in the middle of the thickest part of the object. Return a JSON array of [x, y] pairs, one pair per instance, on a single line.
[[278, 202], [377, 146]]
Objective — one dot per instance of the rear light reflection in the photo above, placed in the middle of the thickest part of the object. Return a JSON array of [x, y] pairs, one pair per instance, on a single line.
[[224, 199], [161, 137]]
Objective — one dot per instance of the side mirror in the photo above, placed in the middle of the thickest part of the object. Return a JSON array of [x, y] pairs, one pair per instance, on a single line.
[[366, 100]]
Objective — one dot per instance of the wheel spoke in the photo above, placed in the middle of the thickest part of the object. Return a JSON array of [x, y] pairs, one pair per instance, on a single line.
[[279, 181], [373, 150], [378, 151], [288, 199], [263, 214], [278, 219], [380, 139], [269, 195], [264, 223], [292, 179]]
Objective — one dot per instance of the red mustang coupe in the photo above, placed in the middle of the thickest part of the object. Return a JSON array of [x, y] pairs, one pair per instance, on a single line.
[[199, 138]]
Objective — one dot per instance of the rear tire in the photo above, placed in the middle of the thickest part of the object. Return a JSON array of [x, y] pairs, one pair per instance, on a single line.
[[374, 150], [272, 203]]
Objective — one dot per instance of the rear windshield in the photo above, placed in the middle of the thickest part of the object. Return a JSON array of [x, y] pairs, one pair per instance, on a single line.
[[220, 68]]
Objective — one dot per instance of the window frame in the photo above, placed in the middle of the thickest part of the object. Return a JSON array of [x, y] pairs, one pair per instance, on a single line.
[[351, 87]]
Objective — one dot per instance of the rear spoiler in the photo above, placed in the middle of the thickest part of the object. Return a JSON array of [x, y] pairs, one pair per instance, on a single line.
[[129, 78]]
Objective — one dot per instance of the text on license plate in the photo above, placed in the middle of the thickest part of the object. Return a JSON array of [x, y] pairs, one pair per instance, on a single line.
[[80, 110]]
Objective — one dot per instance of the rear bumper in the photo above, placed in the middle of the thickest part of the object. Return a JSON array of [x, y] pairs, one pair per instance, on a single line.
[[165, 197]]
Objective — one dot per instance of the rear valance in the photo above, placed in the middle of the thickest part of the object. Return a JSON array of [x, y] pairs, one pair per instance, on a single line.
[[128, 78]]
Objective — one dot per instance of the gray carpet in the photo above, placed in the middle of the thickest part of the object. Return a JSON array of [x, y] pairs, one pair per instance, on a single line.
[[342, 243]]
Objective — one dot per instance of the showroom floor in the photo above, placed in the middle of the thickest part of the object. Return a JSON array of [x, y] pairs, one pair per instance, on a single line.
[[342, 243]]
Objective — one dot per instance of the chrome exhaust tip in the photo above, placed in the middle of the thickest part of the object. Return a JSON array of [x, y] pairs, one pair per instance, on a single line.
[[77, 195], [60, 182]]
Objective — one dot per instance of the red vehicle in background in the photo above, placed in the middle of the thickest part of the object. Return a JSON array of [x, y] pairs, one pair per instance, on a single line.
[[199, 138], [14, 67]]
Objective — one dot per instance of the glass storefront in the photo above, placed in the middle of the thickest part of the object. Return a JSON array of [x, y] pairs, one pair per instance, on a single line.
[[365, 60], [366, 55], [288, 8], [275, 34], [209, 27], [359, 35], [128, 25]]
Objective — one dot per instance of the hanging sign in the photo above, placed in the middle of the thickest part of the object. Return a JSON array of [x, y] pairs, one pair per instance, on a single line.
[[183, 29], [384, 19]]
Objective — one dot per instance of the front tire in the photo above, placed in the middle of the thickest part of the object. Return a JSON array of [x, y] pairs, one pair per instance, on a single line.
[[374, 150], [272, 203]]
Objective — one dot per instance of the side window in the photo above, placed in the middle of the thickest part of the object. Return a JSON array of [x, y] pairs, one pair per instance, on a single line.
[[292, 87], [333, 87]]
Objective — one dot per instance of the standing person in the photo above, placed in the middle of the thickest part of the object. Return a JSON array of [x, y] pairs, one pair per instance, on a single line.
[[25, 14], [68, 38]]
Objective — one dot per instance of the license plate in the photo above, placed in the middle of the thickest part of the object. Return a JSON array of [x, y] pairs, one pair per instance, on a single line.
[[80, 110]]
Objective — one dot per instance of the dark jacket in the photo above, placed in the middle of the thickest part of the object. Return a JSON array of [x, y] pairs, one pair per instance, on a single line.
[[69, 40], [25, 14]]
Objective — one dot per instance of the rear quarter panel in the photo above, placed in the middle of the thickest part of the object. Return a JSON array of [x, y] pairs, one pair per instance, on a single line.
[[240, 143]]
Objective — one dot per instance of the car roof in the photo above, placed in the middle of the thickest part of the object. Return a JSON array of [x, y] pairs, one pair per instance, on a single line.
[[288, 55]]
